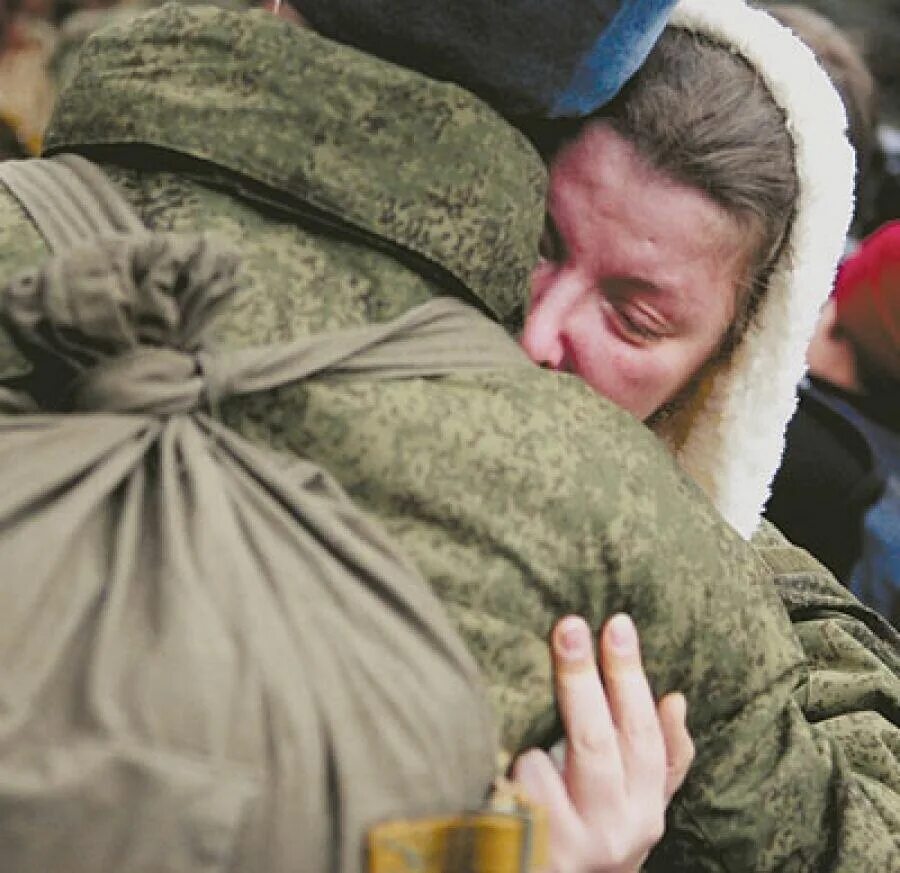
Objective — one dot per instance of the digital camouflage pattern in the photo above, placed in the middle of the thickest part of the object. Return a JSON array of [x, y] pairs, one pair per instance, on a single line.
[[355, 190]]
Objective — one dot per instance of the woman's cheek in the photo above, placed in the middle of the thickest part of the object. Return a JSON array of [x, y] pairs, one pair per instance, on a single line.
[[606, 363], [637, 379], [628, 363]]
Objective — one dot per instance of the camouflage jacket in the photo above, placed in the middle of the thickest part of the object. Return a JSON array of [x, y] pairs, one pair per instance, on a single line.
[[354, 190]]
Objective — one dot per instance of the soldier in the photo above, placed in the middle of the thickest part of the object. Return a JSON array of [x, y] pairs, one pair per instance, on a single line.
[[355, 191]]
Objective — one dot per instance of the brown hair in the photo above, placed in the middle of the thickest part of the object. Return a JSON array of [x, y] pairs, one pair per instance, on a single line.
[[700, 114]]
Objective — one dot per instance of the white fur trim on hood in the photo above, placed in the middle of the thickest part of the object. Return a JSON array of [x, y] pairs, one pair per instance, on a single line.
[[731, 435]]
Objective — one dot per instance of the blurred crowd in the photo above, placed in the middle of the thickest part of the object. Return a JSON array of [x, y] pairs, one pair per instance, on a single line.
[[30, 40]]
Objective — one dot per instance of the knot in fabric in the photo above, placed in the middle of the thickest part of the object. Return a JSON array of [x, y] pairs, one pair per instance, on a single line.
[[150, 381], [117, 325]]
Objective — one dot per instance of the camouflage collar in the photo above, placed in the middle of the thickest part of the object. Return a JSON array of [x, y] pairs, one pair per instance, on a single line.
[[252, 103]]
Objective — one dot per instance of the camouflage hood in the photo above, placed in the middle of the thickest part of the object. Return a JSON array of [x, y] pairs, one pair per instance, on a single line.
[[250, 100], [730, 438]]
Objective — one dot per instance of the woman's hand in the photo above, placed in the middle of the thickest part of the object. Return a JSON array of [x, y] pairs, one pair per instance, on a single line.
[[626, 755]]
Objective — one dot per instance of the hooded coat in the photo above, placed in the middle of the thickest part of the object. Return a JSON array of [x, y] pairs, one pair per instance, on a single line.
[[354, 190], [730, 436]]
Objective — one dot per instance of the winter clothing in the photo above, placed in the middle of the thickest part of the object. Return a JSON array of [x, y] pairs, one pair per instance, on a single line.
[[867, 300], [522, 57], [730, 436], [859, 523], [827, 480], [876, 577], [317, 585], [355, 190], [852, 528]]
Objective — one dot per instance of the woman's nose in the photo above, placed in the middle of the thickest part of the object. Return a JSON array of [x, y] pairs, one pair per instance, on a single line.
[[543, 337]]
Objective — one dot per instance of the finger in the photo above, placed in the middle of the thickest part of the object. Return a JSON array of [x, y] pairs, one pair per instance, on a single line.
[[679, 746], [535, 773], [593, 769], [632, 706]]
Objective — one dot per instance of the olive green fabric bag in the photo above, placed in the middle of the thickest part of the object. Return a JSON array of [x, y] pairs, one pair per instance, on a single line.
[[212, 659]]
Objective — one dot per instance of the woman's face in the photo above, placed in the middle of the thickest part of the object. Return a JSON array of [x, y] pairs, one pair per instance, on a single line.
[[639, 277]]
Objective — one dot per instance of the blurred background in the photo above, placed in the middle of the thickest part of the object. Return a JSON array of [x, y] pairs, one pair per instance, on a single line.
[[872, 27]]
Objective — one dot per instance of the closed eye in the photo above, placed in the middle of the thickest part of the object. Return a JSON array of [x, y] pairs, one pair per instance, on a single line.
[[640, 319], [637, 327], [636, 324]]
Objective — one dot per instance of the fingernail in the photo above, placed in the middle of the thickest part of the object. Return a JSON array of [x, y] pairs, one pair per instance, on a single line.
[[680, 706], [622, 634], [572, 637]]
